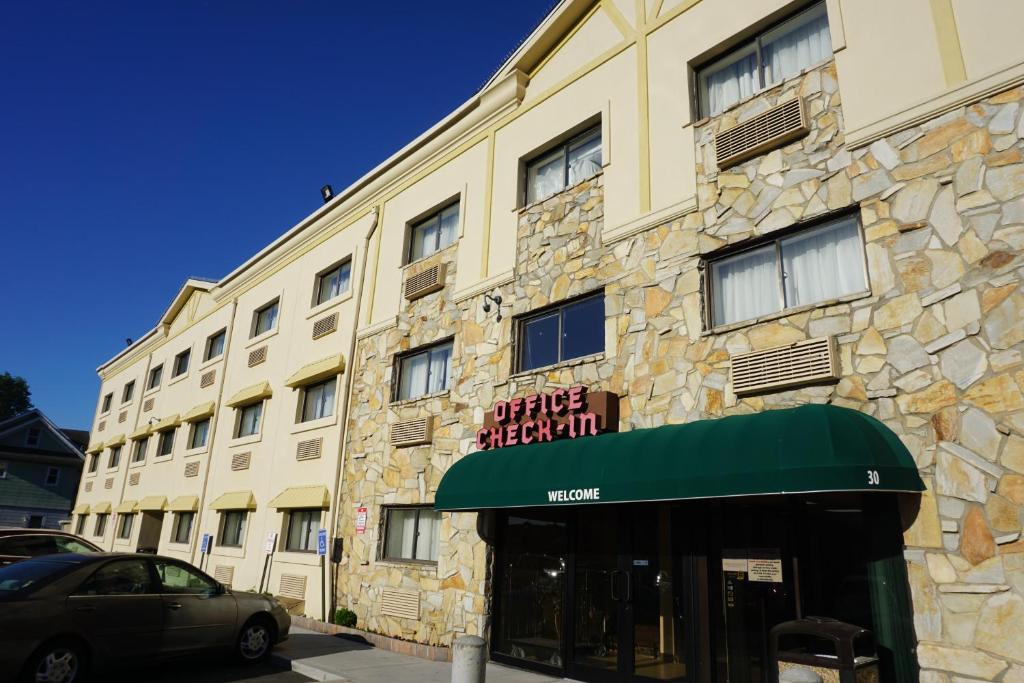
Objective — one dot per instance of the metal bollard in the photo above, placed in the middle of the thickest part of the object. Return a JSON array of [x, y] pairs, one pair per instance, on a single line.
[[468, 660]]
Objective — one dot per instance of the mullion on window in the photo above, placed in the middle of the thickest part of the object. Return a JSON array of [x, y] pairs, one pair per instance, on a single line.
[[415, 533], [781, 279]]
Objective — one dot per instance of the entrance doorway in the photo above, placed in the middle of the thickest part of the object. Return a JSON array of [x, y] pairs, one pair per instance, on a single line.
[[689, 591], [149, 532]]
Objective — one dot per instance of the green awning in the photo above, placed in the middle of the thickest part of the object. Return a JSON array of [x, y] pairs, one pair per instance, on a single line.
[[813, 448]]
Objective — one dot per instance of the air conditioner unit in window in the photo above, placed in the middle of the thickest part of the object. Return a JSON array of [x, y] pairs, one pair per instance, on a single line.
[[424, 282], [769, 129], [782, 367], [412, 432]]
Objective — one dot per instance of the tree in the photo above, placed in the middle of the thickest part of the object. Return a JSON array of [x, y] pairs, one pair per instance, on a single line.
[[15, 397]]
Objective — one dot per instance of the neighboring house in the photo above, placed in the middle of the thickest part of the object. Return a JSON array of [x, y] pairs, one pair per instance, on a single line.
[[40, 465]]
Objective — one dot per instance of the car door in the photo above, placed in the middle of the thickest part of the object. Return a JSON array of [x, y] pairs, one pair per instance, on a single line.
[[197, 612], [118, 609]]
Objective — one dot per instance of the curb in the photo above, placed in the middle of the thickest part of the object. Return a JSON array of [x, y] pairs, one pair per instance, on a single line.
[[308, 670]]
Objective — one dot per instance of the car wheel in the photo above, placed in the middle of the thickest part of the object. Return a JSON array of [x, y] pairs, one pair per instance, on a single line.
[[256, 640], [59, 661]]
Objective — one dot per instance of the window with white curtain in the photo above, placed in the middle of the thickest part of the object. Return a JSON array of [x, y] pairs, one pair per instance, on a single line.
[[301, 530], [425, 371], [333, 282], [318, 400], [411, 533], [567, 164], [434, 233], [813, 265], [771, 57], [249, 420]]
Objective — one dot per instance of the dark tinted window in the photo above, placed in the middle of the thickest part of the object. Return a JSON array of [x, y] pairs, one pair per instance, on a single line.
[[571, 330], [28, 546], [120, 577], [21, 575], [540, 341]]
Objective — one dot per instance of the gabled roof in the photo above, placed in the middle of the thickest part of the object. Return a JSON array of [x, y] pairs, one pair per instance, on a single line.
[[193, 284], [36, 415]]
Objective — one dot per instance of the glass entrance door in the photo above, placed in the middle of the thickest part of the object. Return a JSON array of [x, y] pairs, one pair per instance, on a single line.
[[600, 595]]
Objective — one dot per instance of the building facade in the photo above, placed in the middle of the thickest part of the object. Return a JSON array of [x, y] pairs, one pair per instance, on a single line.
[[774, 253], [40, 466]]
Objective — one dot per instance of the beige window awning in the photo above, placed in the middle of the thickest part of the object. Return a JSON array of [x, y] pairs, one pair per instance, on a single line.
[[184, 504], [101, 508], [118, 440], [200, 412], [257, 392], [314, 372], [141, 433], [302, 497], [125, 507], [169, 422], [234, 500], [95, 447], [152, 504], [80, 509]]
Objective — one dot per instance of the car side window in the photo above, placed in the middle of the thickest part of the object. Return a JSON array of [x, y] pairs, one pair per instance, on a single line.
[[179, 579], [28, 546], [120, 577], [70, 545]]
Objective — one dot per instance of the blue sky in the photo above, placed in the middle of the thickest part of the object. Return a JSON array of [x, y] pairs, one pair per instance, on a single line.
[[143, 142]]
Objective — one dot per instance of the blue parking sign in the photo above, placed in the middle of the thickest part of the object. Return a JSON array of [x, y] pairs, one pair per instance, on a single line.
[[204, 547], [321, 542]]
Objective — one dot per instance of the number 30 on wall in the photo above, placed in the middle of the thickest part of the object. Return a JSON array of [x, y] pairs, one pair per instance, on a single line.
[[873, 477]]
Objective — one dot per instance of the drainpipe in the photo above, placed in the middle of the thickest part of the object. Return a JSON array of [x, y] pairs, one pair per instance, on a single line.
[[127, 456], [211, 436], [343, 409]]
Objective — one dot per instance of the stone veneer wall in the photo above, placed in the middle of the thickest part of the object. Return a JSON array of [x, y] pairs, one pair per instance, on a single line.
[[933, 350]]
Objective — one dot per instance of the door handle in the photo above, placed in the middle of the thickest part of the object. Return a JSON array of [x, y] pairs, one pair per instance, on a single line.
[[172, 605], [612, 576], [629, 585]]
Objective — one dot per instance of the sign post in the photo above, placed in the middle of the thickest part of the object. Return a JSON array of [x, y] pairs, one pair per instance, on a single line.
[[268, 549], [321, 550], [204, 548]]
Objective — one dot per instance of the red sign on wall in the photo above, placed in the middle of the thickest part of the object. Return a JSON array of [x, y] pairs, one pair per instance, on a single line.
[[537, 418]]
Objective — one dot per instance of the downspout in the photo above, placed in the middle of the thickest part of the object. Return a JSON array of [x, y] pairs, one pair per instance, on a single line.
[[212, 435], [128, 456], [343, 414]]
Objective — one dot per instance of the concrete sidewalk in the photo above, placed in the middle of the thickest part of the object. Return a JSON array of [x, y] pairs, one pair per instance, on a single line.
[[339, 658]]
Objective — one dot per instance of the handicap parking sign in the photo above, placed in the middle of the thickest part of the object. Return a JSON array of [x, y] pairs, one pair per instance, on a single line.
[[204, 547], [321, 542]]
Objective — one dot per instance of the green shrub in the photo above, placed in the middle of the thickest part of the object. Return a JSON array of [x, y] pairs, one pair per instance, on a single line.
[[345, 617]]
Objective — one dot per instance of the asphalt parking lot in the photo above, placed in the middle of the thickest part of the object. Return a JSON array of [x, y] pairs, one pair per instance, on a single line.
[[204, 671]]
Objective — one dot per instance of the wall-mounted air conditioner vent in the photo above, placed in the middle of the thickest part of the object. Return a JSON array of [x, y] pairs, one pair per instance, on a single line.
[[224, 574], [133, 479], [772, 128], [292, 586], [122, 416], [806, 362], [325, 325], [309, 449], [101, 426], [207, 379], [88, 486], [400, 603], [240, 461], [412, 432], [147, 405], [257, 356], [191, 469], [425, 282], [109, 483]]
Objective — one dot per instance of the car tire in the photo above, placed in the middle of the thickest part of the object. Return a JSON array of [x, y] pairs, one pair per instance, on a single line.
[[61, 661], [255, 640]]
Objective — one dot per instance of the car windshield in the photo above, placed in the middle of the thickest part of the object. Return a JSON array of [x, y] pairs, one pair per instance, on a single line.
[[21, 575]]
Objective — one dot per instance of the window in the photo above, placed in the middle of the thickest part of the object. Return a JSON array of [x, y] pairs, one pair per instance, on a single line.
[[120, 577], [115, 457], [101, 524], [155, 375], [771, 57], [411, 534], [424, 372], [200, 430], [53, 474], [124, 526], [434, 233], [810, 266], [94, 461], [34, 522], [181, 363], [249, 420], [318, 400], [65, 544], [182, 527], [569, 330], [302, 530], [80, 524], [139, 453], [333, 282], [32, 436], [182, 580], [214, 345], [128, 392], [264, 319], [232, 528], [3, 470], [107, 400], [564, 166], [165, 444]]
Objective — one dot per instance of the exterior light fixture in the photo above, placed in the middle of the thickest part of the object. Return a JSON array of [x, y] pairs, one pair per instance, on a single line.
[[497, 303], [327, 192]]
